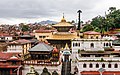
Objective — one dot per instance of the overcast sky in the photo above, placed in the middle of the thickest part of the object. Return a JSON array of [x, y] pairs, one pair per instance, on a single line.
[[17, 11]]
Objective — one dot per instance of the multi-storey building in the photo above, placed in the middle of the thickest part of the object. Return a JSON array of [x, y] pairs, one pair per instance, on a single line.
[[42, 55], [63, 33], [93, 55], [20, 46], [10, 64]]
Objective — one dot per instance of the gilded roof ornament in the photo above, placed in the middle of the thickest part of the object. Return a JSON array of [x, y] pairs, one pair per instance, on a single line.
[[63, 19], [66, 47]]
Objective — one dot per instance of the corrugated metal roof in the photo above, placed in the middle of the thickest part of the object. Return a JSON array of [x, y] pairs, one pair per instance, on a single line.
[[41, 47]]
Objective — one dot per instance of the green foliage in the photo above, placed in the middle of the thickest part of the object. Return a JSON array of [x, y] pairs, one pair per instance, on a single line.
[[105, 23], [25, 28], [78, 50], [88, 27], [99, 24], [102, 60]]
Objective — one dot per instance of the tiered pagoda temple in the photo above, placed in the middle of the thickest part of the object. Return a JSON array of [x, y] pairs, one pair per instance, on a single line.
[[42, 55], [65, 33]]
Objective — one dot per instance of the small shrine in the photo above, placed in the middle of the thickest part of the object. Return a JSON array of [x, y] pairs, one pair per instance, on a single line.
[[45, 72], [32, 71]]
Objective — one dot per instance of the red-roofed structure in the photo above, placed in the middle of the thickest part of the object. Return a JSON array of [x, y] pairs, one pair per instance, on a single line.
[[55, 50], [6, 37], [10, 64], [55, 54]]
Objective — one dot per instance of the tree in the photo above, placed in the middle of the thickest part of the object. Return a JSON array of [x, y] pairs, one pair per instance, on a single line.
[[88, 27], [112, 9], [108, 22], [24, 27]]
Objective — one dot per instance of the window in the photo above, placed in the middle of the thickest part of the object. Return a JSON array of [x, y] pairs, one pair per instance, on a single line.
[[116, 66], [44, 36], [14, 63], [92, 45], [103, 65], [97, 65], [96, 37], [40, 36], [106, 44], [37, 56], [2, 38], [109, 65], [75, 44], [90, 65], [91, 37], [109, 44], [79, 44], [84, 65]]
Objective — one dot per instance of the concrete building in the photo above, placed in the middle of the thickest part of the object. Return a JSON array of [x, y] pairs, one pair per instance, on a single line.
[[20, 46], [92, 53]]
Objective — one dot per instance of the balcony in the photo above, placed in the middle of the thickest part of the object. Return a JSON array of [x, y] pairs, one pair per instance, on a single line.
[[41, 62], [97, 58]]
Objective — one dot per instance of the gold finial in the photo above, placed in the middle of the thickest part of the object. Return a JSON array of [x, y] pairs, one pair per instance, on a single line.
[[63, 15], [63, 19], [66, 47]]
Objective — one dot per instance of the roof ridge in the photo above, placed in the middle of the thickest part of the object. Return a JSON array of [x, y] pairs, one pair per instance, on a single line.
[[46, 45]]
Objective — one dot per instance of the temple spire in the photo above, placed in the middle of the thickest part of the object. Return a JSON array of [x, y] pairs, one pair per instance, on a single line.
[[63, 15], [63, 19]]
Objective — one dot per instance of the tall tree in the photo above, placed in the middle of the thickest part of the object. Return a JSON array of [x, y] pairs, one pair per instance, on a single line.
[[88, 27], [108, 22]]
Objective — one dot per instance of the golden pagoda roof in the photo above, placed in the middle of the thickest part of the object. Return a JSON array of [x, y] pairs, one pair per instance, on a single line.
[[63, 23], [63, 36]]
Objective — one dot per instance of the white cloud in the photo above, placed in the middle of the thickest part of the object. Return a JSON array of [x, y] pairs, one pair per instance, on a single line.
[[17, 11]]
